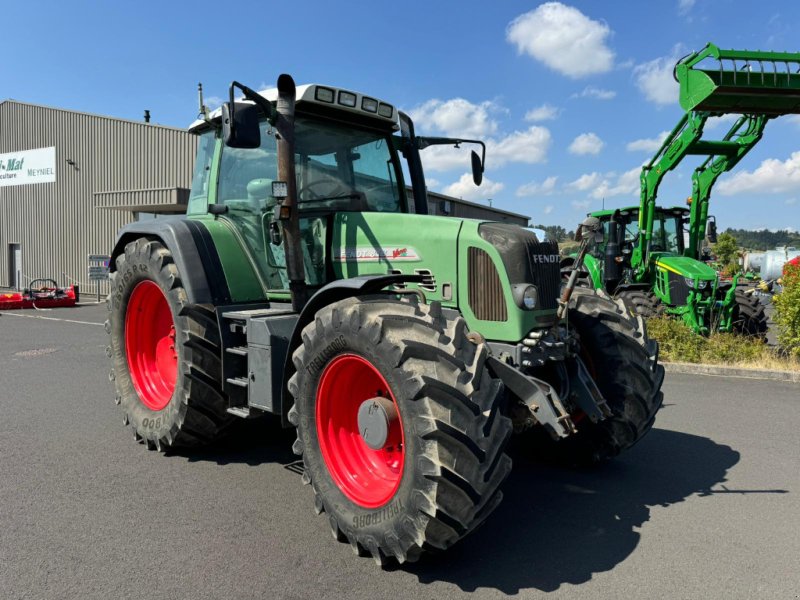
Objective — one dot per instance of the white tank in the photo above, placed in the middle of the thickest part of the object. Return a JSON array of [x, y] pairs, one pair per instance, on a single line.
[[753, 261], [774, 261]]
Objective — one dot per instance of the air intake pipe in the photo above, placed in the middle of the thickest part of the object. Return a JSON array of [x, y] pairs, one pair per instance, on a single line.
[[289, 212], [612, 271]]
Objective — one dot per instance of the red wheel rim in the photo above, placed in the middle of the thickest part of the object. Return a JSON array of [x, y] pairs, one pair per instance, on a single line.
[[368, 477], [150, 345]]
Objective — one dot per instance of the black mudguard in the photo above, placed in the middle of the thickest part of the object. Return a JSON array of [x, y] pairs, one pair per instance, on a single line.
[[192, 250]]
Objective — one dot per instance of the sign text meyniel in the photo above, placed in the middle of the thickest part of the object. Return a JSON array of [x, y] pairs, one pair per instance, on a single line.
[[28, 166]]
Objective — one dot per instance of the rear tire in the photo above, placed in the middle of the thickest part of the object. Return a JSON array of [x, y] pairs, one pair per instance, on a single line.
[[749, 317], [624, 364], [172, 401], [452, 460]]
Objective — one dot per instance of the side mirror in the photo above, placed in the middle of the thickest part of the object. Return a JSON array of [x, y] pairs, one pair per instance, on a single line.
[[711, 233], [477, 168], [240, 125]]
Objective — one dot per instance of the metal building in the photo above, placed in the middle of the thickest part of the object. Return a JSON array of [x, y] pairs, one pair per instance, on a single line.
[[70, 180], [59, 173]]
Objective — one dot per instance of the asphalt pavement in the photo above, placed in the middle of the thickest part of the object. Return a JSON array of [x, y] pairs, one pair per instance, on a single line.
[[706, 506]]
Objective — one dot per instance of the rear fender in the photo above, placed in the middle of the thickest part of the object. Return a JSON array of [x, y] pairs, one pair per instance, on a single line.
[[192, 250]]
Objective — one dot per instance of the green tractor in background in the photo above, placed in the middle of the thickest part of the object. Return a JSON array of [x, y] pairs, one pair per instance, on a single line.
[[405, 349], [644, 257]]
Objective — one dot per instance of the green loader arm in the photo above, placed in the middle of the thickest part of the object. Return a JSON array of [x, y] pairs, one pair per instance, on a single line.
[[739, 83]]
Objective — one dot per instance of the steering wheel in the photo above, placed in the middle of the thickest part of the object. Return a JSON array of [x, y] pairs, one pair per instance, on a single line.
[[335, 188]]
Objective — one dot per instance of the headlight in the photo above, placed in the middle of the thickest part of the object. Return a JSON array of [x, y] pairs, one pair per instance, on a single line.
[[525, 295], [689, 282], [702, 284]]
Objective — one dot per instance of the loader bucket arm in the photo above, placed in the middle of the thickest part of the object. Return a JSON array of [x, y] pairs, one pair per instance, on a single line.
[[713, 82], [739, 81]]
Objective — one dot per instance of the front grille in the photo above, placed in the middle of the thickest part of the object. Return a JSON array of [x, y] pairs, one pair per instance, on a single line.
[[678, 289], [527, 260], [486, 298]]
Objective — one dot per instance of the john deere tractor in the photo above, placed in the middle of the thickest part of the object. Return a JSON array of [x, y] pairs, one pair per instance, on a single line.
[[644, 257], [405, 349]]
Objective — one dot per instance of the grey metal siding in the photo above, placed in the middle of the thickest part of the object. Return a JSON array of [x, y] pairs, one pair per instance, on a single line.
[[117, 163]]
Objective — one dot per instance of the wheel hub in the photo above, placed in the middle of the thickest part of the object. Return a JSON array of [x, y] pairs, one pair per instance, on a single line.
[[376, 417]]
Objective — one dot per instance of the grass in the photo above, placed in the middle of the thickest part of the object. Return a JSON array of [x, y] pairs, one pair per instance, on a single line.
[[679, 344]]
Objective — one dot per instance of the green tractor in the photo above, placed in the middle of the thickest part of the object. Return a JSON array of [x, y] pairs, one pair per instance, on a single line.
[[304, 282], [644, 257]]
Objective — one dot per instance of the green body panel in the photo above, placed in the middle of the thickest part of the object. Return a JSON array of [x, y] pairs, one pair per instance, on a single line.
[[240, 272], [682, 265], [374, 243], [519, 321], [595, 268]]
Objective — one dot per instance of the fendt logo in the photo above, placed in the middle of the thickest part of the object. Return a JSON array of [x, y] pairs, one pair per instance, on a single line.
[[12, 164], [545, 258]]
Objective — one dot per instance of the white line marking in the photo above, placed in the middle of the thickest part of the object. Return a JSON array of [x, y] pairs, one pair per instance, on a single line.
[[11, 314]]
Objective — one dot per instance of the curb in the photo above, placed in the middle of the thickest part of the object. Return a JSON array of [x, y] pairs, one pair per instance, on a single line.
[[700, 369]]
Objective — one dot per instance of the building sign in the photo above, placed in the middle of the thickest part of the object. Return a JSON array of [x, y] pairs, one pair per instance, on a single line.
[[98, 267], [28, 166]]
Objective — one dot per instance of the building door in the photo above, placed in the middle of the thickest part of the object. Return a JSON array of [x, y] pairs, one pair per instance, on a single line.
[[15, 265]]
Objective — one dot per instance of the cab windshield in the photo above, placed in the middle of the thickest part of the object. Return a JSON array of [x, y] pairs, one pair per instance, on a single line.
[[338, 168], [667, 234]]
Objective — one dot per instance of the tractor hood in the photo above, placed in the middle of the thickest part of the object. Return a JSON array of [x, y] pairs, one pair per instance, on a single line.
[[685, 266]]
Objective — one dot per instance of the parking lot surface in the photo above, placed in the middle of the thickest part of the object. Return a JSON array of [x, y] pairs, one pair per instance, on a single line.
[[706, 506]]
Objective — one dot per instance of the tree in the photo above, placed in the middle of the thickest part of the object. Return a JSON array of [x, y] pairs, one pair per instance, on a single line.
[[727, 251], [787, 310]]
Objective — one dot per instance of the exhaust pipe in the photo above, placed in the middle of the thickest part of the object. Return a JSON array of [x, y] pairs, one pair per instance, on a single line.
[[288, 211]]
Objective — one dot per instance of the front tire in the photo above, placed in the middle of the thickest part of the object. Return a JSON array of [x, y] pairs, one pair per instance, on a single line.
[[165, 353], [749, 317], [436, 477], [623, 362]]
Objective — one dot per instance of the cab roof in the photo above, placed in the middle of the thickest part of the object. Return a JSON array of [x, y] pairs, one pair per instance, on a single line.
[[331, 98]]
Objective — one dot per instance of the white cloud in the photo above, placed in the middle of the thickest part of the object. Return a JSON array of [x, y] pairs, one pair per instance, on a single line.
[[456, 117], [564, 39], [591, 91], [548, 209], [726, 120], [684, 6], [790, 201], [771, 177], [654, 79], [608, 185], [465, 188], [586, 143], [647, 144], [545, 112], [213, 102], [529, 146], [534, 188], [794, 119], [586, 182], [432, 183], [581, 204]]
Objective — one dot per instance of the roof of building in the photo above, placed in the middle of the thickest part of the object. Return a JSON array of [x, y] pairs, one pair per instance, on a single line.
[[439, 196], [87, 114]]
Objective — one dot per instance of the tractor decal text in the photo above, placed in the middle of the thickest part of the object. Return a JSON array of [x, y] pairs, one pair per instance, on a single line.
[[372, 254], [378, 516], [322, 358]]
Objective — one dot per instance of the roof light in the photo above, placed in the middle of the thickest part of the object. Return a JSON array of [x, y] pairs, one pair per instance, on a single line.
[[385, 110], [347, 99], [324, 95], [369, 104]]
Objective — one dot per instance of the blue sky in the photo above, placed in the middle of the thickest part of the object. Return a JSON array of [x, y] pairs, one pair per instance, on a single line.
[[563, 123]]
